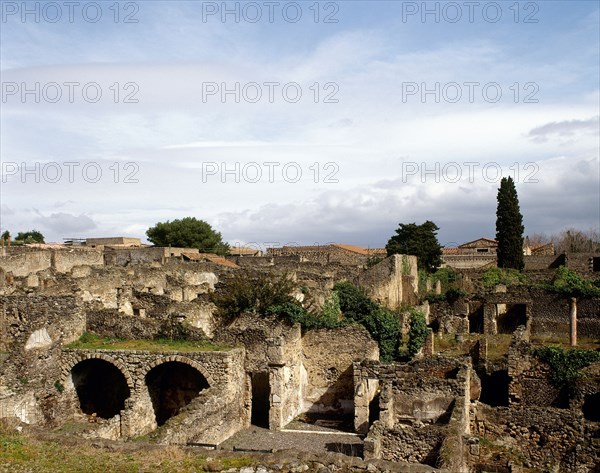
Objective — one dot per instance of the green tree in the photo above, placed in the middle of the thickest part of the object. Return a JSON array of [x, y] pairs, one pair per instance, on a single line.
[[30, 237], [419, 240], [509, 226], [5, 235], [188, 232]]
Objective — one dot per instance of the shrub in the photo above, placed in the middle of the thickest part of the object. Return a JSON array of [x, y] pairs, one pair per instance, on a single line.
[[381, 323], [417, 332], [570, 283], [253, 292], [510, 277], [328, 317], [450, 295], [454, 294], [446, 276], [566, 364], [354, 301]]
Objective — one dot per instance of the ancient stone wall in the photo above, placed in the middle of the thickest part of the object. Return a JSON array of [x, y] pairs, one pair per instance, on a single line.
[[287, 377], [321, 254], [64, 261], [327, 359], [423, 406], [420, 391], [32, 332], [219, 411], [274, 349], [550, 316], [530, 378], [385, 280], [547, 439], [408, 444], [535, 262], [21, 265], [582, 264]]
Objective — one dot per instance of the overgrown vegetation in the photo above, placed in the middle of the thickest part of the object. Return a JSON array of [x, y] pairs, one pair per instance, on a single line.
[[509, 277], [570, 283], [91, 341], [566, 365], [267, 294], [451, 295], [417, 333], [381, 323], [448, 279], [328, 317], [255, 292], [373, 260], [59, 386]]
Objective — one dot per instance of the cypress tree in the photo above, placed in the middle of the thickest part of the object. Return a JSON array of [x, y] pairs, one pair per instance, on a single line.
[[509, 226]]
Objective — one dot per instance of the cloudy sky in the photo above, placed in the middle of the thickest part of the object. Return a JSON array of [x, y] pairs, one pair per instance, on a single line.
[[298, 122]]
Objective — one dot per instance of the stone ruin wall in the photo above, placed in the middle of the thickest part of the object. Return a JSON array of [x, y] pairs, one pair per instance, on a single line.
[[327, 359], [217, 413], [33, 330], [392, 282], [423, 408], [310, 372], [542, 428], [548, 313], [548, 439]]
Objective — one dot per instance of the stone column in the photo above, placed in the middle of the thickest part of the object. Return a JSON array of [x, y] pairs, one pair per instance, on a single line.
[[386, 406], [428, 346], [573, 322], [489, 319]]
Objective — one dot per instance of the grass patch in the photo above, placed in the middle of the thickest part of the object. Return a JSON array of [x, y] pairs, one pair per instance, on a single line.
[[448, 346], [584, 343], [90, 341], [498, 345], [22, 452]]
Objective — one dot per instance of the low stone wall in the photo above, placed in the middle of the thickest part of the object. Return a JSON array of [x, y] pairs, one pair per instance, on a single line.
[[405, 444], [546, 439]]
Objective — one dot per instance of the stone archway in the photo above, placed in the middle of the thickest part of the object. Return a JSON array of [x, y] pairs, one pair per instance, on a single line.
[[101, 387], [172, 385]]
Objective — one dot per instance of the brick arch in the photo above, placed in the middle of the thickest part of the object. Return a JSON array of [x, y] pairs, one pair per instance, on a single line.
[[79, 357], [181, 359]]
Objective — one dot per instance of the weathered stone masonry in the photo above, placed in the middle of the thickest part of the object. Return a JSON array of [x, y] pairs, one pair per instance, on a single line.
[[219, 411]]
